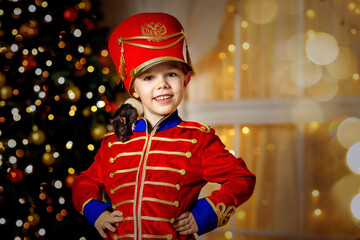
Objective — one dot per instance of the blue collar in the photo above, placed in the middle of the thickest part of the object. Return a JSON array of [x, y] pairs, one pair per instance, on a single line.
[[164, 123]]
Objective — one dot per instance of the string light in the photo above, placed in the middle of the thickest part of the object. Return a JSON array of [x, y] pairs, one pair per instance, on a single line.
[[244, 24], [48, 18], [231, 48], [228, 235], [315, 193], [246, 46], [317, 212], [245, 130], [58, 184], [355, 76], [77, 33], [91, 147], [222, 55], [310, 13], [352, 6]]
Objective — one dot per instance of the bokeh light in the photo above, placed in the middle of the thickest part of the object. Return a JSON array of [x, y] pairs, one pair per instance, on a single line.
[[322, 49], [342, 193], [261, 11], [348, 132], [344, 65], [334, 125], [295, 48], [306, 74], [355, 206], [307, 111], [324, 90], [353, 158]]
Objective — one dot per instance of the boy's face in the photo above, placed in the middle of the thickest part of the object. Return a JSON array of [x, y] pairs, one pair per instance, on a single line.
[[161, 89]]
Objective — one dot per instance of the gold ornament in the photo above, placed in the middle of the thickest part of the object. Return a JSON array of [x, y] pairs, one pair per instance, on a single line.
[[98, 132], [37, 137], [2, 79], [48, 158], [6, 92]]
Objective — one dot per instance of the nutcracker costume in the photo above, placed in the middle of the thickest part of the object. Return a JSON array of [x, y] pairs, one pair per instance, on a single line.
[[157, 174]]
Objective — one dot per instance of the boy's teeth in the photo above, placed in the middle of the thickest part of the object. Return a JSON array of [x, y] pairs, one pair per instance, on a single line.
[[162, 98]]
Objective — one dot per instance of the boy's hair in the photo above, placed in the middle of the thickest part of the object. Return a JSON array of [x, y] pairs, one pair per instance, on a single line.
[[144, 40]]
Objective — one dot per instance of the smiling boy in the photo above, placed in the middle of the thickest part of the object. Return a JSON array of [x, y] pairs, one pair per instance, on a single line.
[[154, 179], [161, 90]]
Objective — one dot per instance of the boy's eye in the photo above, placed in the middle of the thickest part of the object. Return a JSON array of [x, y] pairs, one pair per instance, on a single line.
[[171, 74], [148, 78]]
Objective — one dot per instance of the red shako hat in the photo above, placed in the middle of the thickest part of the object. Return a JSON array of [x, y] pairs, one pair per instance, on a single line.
[[144, 40]]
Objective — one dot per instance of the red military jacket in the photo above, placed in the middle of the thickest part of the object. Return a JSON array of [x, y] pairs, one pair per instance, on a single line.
[[156, 176]]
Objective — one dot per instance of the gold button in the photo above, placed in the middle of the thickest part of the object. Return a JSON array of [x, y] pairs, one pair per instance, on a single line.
[[112, 160], [194, 141], [169, 237], [110, 144], [113, 206], [176, 204], [111, 175], [177, 186], [132, 73], [112, 190], [188, 154], [182, 171], [115, 237], [172, 220]]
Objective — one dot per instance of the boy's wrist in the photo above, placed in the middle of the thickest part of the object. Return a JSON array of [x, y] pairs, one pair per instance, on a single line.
[[94, 208]]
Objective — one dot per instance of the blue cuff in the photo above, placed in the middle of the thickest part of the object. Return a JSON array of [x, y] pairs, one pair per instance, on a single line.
[[93, 209], [205, 216]]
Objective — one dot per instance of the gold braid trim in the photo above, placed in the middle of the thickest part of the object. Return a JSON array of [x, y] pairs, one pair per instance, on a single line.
[[151, 38], [222, 212]]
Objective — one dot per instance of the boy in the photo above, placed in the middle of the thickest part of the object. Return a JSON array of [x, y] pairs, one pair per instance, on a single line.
[[154, 178]]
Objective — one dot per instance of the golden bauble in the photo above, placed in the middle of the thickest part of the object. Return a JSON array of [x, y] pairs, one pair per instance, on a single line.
[[48, 158], [6, 92], [98, 132], [2, 79], [37, 137]]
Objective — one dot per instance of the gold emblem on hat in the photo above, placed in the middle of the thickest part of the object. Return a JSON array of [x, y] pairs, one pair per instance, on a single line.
[[155, 31]]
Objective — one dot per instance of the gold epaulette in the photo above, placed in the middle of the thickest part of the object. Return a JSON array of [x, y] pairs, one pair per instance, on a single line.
[[195, 125], [108, 134]]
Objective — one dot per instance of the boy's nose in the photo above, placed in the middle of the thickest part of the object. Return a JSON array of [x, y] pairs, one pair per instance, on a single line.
[[162, 83]]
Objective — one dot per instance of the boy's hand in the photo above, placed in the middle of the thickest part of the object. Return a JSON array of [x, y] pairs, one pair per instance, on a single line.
[[106, 221], [186, 224]]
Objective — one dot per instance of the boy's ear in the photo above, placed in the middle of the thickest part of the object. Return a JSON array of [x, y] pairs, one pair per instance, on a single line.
[[134, 93], [187, 79]]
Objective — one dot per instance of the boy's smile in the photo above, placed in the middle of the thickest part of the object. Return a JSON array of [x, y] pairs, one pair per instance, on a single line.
[[161, 89]]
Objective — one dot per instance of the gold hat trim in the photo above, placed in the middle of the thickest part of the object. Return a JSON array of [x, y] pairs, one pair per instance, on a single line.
[[121, 41]]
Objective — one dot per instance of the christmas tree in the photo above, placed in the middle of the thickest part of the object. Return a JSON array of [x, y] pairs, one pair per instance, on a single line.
[[57, 99]]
